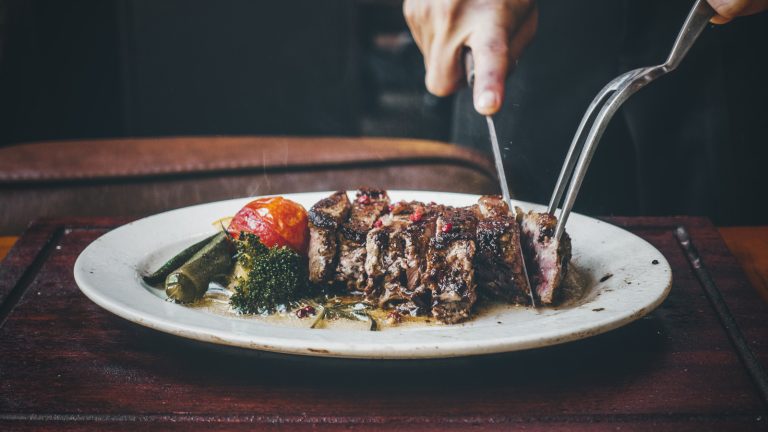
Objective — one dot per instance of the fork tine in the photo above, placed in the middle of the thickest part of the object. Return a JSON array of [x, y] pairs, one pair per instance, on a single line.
[[602, 119], [570, 159]]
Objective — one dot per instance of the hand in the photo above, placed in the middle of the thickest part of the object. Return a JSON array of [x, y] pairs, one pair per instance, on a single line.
[[496, 31], [730, 9]]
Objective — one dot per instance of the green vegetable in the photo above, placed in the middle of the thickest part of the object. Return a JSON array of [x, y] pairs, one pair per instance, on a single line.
[[190, 281], [177, 261], [266, 279], [335, 309]]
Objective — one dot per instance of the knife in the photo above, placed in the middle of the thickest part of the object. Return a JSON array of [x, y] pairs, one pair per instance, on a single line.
[[469, 67]]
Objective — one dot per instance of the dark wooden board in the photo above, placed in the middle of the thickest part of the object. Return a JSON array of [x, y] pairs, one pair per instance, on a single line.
[[67, 364]]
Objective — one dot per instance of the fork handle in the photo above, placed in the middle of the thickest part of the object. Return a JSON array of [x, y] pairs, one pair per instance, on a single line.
[[695, 23]]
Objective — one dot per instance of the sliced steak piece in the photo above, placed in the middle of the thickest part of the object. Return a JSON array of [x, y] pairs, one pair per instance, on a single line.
[[418, 238], [499, 261], [368, 207], [450, 269], [385, 262], [325, 218], [547, 259], [395, 260]]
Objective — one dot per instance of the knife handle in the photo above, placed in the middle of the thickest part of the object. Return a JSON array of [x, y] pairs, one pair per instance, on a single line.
[[469, 66]]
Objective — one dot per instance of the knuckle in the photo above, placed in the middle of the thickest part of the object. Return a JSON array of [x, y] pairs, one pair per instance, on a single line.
[[410, 9], [443, 12], [491, 49], [490, 78], [446, 11], [439, 88], [495, 47]]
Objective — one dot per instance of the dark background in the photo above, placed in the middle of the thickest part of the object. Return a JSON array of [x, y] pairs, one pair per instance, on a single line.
[[695, 142]]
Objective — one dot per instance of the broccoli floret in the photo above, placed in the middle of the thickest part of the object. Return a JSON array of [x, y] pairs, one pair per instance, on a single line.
[[266, 279]]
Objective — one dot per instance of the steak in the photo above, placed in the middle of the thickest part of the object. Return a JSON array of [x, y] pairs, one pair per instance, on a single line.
[[396, 257], [450, 264], [418, 238], [422, 259], [385, 262], [499, 263], [546, 258], [369, 205], [325, 218]]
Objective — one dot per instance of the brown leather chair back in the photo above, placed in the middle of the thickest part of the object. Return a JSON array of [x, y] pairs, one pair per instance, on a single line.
[[138, 177]]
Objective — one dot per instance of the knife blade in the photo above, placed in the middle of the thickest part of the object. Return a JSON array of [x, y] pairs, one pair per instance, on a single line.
[[469, 65], [498, 160]]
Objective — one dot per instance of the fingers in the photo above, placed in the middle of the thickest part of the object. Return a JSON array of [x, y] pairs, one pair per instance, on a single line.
[[444, 69], [491, 55], [719, 19], [494, 52], [727, 10], [414, 14], [432, 25], [756, 6], [496, 30]]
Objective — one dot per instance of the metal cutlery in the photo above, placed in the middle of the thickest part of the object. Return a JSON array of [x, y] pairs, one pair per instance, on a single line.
[[608, 102], [469, 65]]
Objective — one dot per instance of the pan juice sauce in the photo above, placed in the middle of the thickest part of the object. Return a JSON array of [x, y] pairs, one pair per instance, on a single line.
[[219, 305], [576, 289]]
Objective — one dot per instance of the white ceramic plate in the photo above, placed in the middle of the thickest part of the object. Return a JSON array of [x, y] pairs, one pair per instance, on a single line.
[[109, 272]]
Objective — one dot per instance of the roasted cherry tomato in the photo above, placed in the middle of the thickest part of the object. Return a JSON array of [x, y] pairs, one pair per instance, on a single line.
[[277, 221]]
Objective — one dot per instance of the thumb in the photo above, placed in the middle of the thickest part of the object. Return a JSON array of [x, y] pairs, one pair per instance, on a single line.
[[493, 51], [491, 61]]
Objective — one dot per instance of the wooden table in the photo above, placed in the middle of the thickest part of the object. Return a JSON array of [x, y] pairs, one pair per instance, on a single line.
[[6, 243], [750, 246], [696, 363]]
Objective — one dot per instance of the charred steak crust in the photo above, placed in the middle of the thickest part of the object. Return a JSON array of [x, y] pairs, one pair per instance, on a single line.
[[418, 237], [547, 259], [499, 262], [395, 260], [325, 217], [385, 264], [450, 265], [368, 207], [500, 271], [376, 265], [330, 212]]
